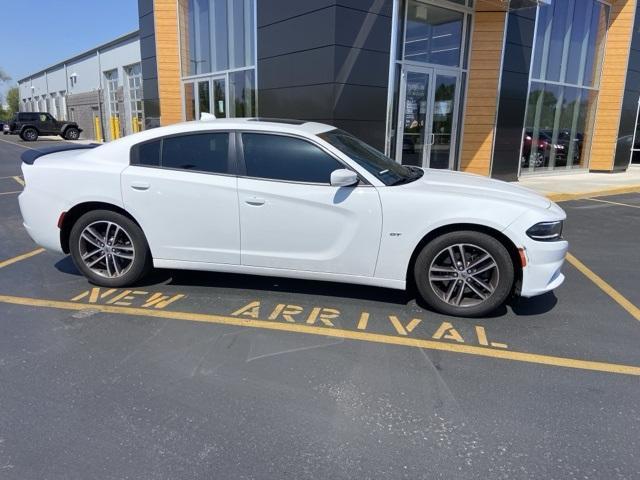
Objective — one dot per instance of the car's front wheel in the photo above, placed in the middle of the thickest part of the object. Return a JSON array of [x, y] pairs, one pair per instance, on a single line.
[[109, 248], [29, 135], [465, 273], [71, 133]]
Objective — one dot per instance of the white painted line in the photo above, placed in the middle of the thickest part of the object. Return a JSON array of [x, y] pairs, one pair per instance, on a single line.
[[17, 144], [613, 203]]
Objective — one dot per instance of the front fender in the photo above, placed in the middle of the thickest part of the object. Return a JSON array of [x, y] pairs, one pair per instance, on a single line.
[[67, 125], [404, 228]]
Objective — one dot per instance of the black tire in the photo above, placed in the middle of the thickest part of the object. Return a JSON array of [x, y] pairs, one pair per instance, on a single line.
[[141, 263], [72, 133], [29, 134], [475, 246]]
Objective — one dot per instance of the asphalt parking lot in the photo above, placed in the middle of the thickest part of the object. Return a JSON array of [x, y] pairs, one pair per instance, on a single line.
[[202, 375]]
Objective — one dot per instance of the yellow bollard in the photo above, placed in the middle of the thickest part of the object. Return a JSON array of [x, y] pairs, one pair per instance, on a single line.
[[97, 129], [117, 126]]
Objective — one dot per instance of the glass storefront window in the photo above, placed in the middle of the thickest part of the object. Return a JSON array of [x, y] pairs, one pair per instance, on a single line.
[[217, 41], [433, 34], [242, 93], [428, 82], [203, 97], [569, 46], [219, 35], [133, 75]]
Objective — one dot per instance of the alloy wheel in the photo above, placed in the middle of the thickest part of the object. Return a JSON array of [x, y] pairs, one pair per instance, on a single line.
[[106, 249], [463, 275]]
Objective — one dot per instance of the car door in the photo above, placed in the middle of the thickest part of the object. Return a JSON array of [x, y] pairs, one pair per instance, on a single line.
[[292, 218], [47, 125], [183, 191]]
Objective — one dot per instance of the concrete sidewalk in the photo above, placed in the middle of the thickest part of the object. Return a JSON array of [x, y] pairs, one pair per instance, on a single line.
[[582, 185]]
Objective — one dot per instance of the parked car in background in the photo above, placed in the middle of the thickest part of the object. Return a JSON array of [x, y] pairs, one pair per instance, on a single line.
[[541, 156], [537, 157], [30, 125], [291, 199]]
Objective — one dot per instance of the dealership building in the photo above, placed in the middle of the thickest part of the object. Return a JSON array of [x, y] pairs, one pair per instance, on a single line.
[[100, 88], [495, 87]]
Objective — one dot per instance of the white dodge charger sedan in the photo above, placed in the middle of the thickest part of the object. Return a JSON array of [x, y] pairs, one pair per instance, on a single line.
[[291, 199]]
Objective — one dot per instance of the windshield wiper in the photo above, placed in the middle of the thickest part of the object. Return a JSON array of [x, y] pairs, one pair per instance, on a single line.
[[416, 174]]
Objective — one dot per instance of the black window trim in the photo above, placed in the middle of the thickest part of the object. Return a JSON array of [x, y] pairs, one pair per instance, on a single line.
[[242, 167], [232, 161]]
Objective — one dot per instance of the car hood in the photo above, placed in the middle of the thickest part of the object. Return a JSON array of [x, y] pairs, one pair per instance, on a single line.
[[467, 184]]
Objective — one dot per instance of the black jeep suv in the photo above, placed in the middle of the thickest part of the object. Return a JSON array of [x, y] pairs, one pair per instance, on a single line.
[[31, 124]]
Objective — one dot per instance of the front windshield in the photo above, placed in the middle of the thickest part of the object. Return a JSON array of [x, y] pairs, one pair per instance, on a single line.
[[375, 162]]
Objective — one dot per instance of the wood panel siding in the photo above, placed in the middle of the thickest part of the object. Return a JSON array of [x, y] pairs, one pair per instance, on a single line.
[[482, 91], [612, 83], [168, 58]]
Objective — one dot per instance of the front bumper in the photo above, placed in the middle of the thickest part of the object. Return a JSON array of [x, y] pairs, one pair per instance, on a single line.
[[543, 270]]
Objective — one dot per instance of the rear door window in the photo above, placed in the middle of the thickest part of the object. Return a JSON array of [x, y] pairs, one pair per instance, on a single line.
[[28, 117], [201, 152]]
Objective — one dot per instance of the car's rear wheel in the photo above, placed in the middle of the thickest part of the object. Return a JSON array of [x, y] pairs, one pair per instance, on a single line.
[[71, 133], [109, 248], [29, 135], [466, 273]]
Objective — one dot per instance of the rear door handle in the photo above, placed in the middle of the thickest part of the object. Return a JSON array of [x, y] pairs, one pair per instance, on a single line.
[[140, 185], [255, 201]]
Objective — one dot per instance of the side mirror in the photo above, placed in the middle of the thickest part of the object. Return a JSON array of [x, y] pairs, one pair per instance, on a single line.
[[343, 178]]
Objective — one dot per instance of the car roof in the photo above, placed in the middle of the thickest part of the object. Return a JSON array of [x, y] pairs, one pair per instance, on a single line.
[[119, 148]]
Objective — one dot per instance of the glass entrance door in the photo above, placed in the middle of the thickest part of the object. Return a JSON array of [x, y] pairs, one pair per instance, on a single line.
[[413, 117], [428, 108], [208, 95], [442, 121]]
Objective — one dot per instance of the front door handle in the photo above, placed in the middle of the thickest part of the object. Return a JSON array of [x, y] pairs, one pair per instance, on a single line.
[[255, 201], [140, 185]]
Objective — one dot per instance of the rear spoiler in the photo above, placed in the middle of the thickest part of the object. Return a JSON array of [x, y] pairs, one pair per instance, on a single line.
[[31, 156]]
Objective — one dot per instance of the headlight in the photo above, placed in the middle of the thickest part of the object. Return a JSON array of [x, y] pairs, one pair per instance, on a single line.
[[546, 231]]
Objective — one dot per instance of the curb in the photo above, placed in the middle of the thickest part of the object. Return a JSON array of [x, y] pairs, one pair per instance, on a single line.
[[565, 197]]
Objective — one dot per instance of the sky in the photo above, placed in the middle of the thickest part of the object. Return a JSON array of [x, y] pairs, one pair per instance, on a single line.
[[39, 33]]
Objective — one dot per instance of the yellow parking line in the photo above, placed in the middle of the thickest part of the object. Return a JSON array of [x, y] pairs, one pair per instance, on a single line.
[[24, 256], [10, 193], [333, 332], [565, 197], [605, 287], [613, 203], [19, 180]]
